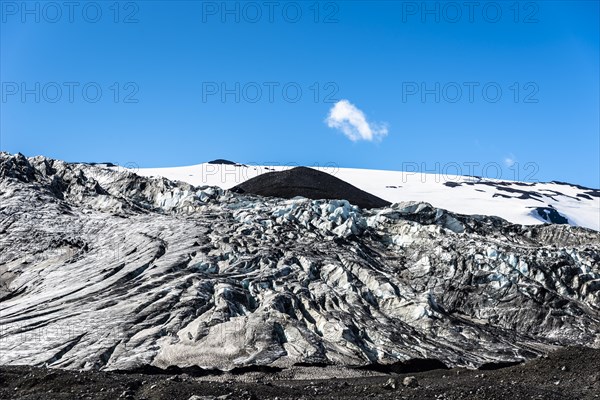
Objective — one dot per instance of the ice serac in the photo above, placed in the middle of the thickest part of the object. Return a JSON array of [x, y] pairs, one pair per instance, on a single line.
[[102, 269]]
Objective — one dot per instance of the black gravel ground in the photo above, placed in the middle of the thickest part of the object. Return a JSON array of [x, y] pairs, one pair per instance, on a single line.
[[572, 373]]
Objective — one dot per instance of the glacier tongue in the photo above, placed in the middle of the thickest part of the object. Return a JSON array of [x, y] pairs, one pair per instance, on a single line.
[[102, 269]]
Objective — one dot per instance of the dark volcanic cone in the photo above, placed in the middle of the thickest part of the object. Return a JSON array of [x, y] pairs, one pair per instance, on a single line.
[[222, 161], [309, 183]]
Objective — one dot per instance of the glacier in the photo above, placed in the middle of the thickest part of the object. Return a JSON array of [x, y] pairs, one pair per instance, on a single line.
[[106, 269]]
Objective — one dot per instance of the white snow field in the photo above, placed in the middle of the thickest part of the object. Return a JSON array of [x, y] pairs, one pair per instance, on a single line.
[[517, 202]]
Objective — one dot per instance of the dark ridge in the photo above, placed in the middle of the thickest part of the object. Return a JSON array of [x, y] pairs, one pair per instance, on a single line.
[[107, 164], [309, 183], [222, 161], [584, 196], [12, 295], [255, 368], [551, 215], [407, 367], [451, 184], [576, 185], [498, 365], [172, 370], [593, 192], [315, 364], [499, 184], [197, 371]]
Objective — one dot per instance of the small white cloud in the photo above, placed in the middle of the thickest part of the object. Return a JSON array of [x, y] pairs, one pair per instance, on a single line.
[[353, 123], [510, 161]]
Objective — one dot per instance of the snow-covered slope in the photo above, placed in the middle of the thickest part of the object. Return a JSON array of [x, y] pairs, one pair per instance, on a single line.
[[518, 202]]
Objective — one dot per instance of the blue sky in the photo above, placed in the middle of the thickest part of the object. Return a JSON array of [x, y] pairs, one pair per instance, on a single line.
[[186, 82]]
